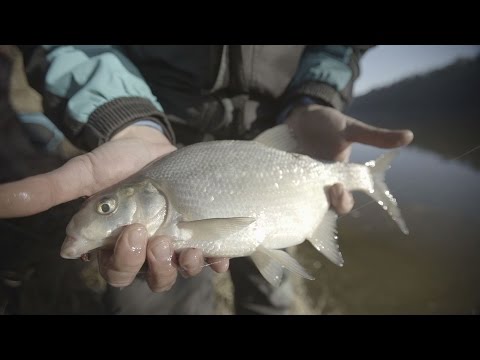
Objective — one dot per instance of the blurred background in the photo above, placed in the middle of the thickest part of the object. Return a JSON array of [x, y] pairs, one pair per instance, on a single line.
[[432, 90]]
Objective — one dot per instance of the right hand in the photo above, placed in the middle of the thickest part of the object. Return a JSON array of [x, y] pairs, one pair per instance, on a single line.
[[126, 153], [120, 266]]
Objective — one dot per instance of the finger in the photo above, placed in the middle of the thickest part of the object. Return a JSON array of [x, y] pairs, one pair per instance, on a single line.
[[219, 265], [190, 262], [39, 193], [83, 175], [357, 131], [340, 199], [120, 266], [162, 272]]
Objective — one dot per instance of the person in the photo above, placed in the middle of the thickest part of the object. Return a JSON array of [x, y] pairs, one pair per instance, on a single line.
[[128, 105], [27, 105]]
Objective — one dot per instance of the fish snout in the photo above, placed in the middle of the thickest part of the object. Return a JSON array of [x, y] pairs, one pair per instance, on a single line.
[[70, 248]]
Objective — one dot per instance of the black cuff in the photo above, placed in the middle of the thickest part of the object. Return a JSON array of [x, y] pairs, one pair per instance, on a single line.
[[117, 114], [322, 92]]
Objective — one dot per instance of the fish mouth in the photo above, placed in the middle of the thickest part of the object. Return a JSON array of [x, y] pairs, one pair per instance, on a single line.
[[73, 248], [85, 257]]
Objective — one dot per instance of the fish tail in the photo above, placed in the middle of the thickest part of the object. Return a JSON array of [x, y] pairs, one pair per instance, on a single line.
[[380, 192]]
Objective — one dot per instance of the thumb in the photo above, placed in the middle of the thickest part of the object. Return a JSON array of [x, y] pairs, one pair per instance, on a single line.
[[41, 192], [357, 131]]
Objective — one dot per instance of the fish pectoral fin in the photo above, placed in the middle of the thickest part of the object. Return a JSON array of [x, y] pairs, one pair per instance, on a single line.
[[324, 238], [271, 263], [279, 137], [216, 227]]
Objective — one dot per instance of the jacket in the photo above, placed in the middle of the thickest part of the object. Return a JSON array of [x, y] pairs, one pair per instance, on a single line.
[[92, 91]]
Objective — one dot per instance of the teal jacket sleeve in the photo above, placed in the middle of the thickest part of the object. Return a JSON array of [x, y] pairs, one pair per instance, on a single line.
[[327, 73], [93, 91]]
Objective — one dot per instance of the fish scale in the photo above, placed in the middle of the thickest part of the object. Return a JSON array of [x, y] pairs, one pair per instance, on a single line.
[[284, 192]]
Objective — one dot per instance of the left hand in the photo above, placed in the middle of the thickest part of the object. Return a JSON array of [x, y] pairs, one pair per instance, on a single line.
[[127, 152], [326, 133]]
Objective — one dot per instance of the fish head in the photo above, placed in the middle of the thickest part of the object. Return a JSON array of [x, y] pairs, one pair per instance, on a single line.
[[103, 216]]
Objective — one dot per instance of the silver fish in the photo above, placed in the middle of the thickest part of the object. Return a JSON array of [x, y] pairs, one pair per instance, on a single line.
[[233, 199]]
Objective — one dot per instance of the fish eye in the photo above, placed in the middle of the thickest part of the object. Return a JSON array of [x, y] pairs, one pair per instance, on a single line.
[[106, 206]]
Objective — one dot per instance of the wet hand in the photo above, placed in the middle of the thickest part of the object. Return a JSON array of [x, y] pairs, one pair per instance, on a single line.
[[327, 134], [120, 266], [84, 175], [128, 151]]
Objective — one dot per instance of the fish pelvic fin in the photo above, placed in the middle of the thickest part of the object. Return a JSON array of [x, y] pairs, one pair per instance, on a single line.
[[271, 264], [381, 193], [208, 229]]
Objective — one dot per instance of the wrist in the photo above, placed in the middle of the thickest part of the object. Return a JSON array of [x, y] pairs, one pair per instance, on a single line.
[[301, 110], [146, 133]]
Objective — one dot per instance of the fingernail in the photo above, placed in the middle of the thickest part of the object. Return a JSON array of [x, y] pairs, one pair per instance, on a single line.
[[195, 260], [337, 190], [350, 199], [183, 273], [162, 251], [136, 239]]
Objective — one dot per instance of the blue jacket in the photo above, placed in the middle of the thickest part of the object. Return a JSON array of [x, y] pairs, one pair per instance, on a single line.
[[93, 91]]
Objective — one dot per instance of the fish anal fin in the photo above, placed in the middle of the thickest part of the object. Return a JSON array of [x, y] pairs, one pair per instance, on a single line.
[[271, 264], [324, 238]]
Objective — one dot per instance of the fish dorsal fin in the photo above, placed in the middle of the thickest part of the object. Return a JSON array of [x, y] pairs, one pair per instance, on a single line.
[[216, 227], [324, 238], [271, 262], [279, 137]]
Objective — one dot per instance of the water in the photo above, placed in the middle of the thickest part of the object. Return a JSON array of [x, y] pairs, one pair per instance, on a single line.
[[434, 270]]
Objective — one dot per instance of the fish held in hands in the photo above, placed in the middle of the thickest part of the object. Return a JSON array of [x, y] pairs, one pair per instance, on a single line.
[[233, 199]]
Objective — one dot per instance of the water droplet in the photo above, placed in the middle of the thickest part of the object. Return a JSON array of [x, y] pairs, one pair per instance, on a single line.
[[276, 186], [212, 198], [380, 202]]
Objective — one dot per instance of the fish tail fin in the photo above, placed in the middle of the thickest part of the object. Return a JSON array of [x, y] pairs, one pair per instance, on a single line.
[[381, 193]]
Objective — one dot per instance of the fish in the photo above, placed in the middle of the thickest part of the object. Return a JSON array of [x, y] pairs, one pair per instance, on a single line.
[[234, 198]]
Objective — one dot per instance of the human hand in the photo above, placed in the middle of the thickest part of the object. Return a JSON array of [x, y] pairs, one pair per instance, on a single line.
[[326, 133], [132, 250], [126, 153]]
